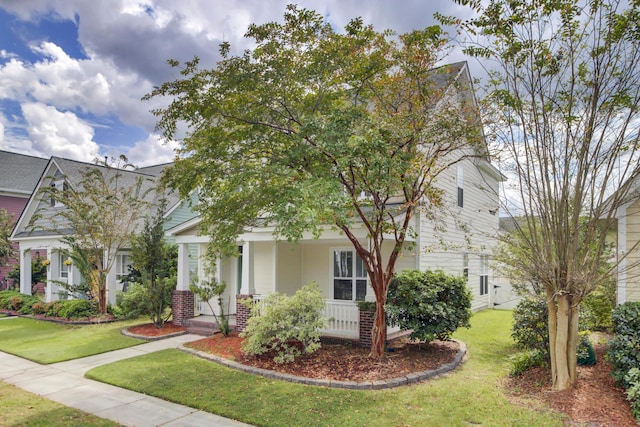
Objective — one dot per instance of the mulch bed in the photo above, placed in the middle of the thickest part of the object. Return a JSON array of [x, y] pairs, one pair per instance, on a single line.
[[150, 330], [594, 400], [340, 362]]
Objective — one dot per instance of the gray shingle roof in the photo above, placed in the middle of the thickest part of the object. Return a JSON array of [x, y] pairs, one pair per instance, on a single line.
[[20, 173]]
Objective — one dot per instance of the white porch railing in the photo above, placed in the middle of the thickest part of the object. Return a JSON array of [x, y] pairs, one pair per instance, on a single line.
[[342, 318]]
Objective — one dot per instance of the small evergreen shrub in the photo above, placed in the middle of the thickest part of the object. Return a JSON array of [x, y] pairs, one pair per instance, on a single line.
[[77, 308], [38, 308], [432, 305], [633, 392], [52, 309], [624, 349], [530, 330], [5, 299], [586, 353], [130, 304], [595, 308], [15, 302], [27, 302], [288, 326], [521, 362]]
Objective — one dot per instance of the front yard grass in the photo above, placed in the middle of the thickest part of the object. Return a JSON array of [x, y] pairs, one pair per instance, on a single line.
[[470, 395], [21, 408], [48, 342]]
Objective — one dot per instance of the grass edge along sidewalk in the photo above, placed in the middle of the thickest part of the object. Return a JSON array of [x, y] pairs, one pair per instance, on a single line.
[[470, 395], [47, 342]]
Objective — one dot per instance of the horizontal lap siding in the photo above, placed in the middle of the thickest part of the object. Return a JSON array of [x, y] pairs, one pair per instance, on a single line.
[[443, 245], [633, 236]]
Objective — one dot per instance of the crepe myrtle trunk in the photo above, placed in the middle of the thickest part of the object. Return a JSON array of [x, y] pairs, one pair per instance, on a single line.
[[563, 336]]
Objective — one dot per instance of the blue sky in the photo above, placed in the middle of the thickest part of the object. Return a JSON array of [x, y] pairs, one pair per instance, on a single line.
[[73, 72]]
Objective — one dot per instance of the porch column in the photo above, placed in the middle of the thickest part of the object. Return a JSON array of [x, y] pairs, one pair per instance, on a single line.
[[73, 279], [53, 273], [111, 280], [182, 299], [25, 271], [183, 267], [248, 283]]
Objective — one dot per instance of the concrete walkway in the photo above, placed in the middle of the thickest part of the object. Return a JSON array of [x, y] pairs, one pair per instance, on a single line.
[[64, 383]]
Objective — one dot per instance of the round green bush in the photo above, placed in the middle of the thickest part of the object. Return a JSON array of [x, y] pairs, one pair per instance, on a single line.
[[432, 305]]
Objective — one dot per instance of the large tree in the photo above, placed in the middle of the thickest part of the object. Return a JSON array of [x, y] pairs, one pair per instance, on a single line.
[[564, 102], [314, 127], [99, 216]]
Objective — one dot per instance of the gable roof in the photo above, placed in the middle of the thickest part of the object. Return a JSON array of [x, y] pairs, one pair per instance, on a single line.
[[73, 171], [19, 173]]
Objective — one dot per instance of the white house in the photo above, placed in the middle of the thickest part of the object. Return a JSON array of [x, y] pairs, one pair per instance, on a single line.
[[266, 265]]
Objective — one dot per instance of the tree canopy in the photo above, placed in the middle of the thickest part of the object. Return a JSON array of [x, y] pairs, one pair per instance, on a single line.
[[563, 106], [316, 128]]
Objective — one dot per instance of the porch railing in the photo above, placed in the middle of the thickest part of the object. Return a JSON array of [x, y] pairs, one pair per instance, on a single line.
[[342, 318]]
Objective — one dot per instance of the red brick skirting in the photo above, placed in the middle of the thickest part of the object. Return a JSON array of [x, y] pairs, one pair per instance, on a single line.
[[242, 312], [182, 306], [366, 326]]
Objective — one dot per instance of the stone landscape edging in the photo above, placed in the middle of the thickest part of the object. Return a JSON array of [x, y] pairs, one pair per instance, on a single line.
[[126, 332], [411, 378]]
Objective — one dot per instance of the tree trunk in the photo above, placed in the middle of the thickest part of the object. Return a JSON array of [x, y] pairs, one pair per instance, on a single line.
[[379, 330], [102, 300], [562, 361]]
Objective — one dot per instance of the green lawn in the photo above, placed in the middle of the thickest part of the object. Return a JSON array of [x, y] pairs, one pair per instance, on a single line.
[[21, 408], [47, 342], [471, 395]]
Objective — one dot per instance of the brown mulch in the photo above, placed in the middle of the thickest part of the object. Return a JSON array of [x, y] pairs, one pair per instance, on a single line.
[[340, 362], [150, 330], [594, 400]]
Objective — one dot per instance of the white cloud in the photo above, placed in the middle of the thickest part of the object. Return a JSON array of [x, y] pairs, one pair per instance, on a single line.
[[57, 133], [154, 150]]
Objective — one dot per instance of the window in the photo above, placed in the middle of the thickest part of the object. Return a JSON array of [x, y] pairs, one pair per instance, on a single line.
[[349, 276], [65, 265], [58, 185], [460, 179], [465, 266], [122, 266], [484, 274]]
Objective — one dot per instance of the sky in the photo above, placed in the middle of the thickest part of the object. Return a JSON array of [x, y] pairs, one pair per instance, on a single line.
[[73, 72]]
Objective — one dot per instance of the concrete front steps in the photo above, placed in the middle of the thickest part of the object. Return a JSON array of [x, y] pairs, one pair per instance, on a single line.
[[202, 325]]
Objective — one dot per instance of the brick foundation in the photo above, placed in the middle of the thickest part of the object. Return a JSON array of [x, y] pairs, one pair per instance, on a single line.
[[182, 306], [242, 312], [366, 326]]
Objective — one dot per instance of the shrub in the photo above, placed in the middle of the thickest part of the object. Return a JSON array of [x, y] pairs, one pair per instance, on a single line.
[[130, 304], [633, 392], [38, 308], [624, 349], [521, 362], [586, 354], [27, 302], [530, 330], [206, 290], [52, 309], [288, 326], [432, 305], [595, 309], [77, 308], [5, 299], [15, 302]]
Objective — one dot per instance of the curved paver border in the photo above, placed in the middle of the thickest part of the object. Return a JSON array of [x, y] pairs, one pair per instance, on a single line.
[[412, 378], [126, 332]]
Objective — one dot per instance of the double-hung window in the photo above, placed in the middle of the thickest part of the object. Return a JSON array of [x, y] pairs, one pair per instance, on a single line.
[[460, 182], [65, 265], [122, 266], [349, 276], [484, 274]]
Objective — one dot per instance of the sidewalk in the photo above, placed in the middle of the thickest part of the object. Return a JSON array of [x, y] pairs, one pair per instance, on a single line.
[[64, 383]]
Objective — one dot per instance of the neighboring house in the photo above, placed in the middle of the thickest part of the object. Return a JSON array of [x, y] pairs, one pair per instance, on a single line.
[[19, 175], [266, 265], [64, 174], [628, 238]]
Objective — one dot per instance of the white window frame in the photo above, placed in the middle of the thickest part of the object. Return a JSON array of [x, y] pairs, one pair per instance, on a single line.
[[64, 269], [484, 274], [122, 266], [354, 277], [460, 185]]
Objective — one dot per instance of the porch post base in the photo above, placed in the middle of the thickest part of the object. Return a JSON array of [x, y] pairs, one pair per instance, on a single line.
[[182, 306], [366, 327], [242, 312]]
